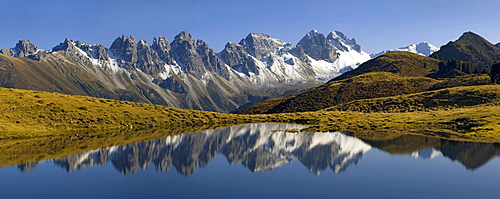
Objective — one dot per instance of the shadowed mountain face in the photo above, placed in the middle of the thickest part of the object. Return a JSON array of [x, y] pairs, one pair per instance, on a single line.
[[472, 48], [259, 147], [366, 86], [262, 147]]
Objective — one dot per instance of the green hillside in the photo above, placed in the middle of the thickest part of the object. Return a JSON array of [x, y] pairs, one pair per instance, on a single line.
[[370, 85], [398, 62], [426, 101], [29, 114], [472, 48]]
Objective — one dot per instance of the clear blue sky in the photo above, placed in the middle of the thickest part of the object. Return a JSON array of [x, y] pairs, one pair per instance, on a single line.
[[375, 24]]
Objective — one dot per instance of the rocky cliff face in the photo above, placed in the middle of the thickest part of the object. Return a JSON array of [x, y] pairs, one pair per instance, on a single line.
[[187, 73], [317, 47], [24, 48]]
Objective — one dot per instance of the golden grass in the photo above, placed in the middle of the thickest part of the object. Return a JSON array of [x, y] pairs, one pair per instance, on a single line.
[[38, 125]]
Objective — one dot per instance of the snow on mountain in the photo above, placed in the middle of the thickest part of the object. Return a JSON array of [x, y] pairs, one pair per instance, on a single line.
[[350, 55], [187, 73], [267, 60], [423, 48]]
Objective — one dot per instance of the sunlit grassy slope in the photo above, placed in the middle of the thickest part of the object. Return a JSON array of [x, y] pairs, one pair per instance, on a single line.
[[28, 114]]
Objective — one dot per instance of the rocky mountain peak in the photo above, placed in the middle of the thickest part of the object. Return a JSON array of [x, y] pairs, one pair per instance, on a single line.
[[184, 42], [125, 48], [24, 48], [470, 47], [161, 43], [211, 61], [316, 46], [184, 36], [236, 56], [342, 42], [145, 58], [162, 48], [261, 45], [67, 45], [184, 53]]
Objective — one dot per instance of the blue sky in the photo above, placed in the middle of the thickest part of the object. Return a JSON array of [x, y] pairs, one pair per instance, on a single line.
[[375, 24]]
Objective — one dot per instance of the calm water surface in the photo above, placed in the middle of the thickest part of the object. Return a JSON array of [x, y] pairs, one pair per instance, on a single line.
[[263, 161]]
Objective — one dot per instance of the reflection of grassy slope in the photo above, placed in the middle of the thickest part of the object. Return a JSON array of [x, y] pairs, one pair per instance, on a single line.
[[472, 155], [18, 151], [404, 144]]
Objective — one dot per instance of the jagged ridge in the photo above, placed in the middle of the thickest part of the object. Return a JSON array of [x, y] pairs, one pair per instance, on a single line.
[[187, 73]]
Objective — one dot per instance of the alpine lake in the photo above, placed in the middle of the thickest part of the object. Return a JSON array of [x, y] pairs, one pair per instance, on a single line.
[[265, 161]]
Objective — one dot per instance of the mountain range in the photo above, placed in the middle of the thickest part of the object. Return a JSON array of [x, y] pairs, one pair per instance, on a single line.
[[259, 147], [187, 73], [464, 62], [263, 147], [184, 73]]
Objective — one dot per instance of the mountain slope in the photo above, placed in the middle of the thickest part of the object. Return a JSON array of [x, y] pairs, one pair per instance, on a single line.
[[408, 72], [185, 73], [370, 85], [398, 62], [55, 73], [438, 99], [470, 47]]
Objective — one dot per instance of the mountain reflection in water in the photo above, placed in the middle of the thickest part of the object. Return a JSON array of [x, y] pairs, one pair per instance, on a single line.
[[262, 147], [471, 154], [259, 147]]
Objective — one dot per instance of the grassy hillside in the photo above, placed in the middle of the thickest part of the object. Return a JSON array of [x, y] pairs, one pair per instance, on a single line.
[[28, 114], [425, 101], [370, 85], [61, 77], [470, 47], [398, 62], [402, 73], [38, 125]]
